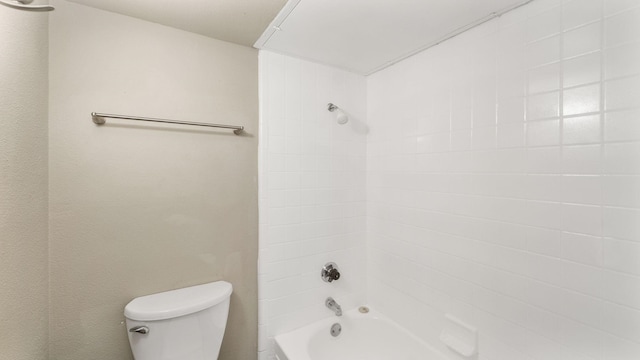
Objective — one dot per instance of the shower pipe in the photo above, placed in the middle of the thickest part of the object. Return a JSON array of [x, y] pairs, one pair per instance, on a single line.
[[23, 5], [99, 119]]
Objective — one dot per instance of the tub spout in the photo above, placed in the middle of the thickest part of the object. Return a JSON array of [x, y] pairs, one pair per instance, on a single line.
[[333, 305]]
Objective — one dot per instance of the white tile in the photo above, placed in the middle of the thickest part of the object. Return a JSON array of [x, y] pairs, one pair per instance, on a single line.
[[616, 348], [543, 133], [581, 100], [582, 189], [543, 268], [582, 278], [582, 159], [582, 339], [581, 248], [583, 308], [543, 51], [622, 289], [544, 24], [622, 125], [541, 6], [510, 110], [622, 255], [543, 106], [544, 160], [461, 140], [544, 241], [622, 61], [544, 78], [622, 158], [622, 93], [581, 130], [543, 187], [622, 321], [580, 12], [581, 70], [583, 219], [461, 118], [621, 191], [582, 40], [544, 214], [615, 6], [621, 223], [543, 295], [511, 83], [484, 137], [511, 135], [623, 27]]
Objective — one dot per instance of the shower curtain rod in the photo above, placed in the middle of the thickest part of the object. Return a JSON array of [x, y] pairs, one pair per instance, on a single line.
[[22, 5], [99, 119]]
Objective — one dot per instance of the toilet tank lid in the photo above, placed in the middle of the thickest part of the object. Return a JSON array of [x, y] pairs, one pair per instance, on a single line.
[[174, 303]]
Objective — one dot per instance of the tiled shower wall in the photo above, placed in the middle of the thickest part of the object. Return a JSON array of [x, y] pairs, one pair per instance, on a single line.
[[504, 184], [312, 193]]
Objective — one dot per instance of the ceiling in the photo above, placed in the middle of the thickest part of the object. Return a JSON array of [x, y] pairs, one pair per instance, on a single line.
[[236, 21], [362, 36], [367, 35]]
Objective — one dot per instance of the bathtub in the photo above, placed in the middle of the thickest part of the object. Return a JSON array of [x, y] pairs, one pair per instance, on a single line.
[[370, 336]]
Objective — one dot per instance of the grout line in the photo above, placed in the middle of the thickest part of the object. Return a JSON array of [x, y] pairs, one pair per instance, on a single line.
[[602, 115]]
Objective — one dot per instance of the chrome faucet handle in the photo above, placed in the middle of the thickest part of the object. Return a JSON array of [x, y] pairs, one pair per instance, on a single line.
[[330, 272]]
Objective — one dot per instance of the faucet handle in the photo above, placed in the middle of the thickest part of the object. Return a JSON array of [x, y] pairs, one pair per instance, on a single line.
[[330, 272], [334, 274]]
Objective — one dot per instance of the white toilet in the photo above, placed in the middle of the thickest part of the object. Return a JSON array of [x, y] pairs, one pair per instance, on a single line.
[[183, 324]]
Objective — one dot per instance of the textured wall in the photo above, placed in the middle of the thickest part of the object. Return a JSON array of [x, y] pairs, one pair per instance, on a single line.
[[503, 184], [312, 180], [23, 185], [142, 208]]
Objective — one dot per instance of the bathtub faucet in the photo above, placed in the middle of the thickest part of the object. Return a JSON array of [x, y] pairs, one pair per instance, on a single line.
[[333, 305]]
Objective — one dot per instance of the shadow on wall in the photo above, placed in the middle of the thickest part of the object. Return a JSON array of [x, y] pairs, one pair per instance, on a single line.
[[356, 125]]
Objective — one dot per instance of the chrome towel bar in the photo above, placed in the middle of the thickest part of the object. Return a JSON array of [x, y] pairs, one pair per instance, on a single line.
[[23, 5], [99, 119]]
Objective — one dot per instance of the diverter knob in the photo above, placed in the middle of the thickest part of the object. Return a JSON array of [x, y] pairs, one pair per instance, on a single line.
[[330, 272]]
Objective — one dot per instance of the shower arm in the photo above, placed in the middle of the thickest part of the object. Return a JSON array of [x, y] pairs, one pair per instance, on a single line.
[[22, 5]]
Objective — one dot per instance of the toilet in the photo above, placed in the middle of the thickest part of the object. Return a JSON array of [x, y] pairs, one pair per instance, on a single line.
[[183, 324]]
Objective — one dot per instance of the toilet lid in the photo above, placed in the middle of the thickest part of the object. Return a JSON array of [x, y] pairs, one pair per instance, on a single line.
[[174, 303]]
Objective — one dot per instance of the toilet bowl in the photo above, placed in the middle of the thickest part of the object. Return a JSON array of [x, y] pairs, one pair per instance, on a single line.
[[183, 324]]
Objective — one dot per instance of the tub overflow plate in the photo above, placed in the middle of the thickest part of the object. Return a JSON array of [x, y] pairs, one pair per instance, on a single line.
[[336, 329]]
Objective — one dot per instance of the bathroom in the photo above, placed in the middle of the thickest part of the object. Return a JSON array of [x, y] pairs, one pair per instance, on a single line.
[[477, 179]]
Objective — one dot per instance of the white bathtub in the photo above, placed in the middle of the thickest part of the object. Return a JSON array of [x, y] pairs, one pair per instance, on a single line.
[[369, 336]]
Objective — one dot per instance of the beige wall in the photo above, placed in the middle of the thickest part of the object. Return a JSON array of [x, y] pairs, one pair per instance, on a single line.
[[23, 185], [142, 208]]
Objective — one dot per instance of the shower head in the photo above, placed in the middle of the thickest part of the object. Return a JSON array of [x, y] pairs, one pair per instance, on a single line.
[[340, 115]]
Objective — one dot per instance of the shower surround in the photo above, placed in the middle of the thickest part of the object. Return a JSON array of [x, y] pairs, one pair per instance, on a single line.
[[502, 181], [312, 193]]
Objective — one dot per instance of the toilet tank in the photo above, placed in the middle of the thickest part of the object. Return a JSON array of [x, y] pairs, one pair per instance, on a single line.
[[183, 324]]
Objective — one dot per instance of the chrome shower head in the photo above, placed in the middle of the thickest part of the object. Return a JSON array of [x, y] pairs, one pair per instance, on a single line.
[[340, 115]]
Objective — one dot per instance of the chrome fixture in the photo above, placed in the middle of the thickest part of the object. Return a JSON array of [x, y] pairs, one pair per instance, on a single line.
[[24, 5], [336, 329], [333, 306], [340, 115], [99, 119], [330, 272], [140, 330]]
